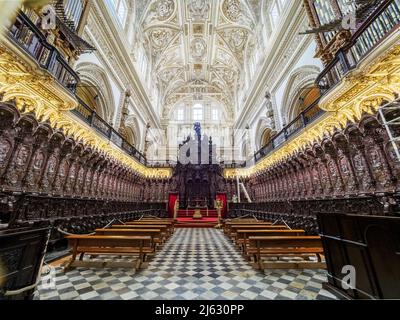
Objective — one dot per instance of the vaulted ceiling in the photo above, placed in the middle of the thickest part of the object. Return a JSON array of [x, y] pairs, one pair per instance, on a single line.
[[198, 48]]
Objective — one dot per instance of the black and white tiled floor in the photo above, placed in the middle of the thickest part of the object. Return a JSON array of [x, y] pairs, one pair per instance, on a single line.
[[195, 264]]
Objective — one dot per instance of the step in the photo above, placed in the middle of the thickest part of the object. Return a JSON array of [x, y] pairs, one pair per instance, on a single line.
[[191, 215], [195, 224]]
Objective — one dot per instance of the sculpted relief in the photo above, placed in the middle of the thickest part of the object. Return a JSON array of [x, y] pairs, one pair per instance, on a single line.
[[165, 9], [160, 10], [235, 11], [5, 147], [232, 10], [343, 168], [199, 9], [182, 33], [199, 48], [238, 38], [160, 38]]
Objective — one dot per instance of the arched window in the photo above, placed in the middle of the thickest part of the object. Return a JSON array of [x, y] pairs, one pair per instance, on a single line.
[[121, 9], [274, 13], [180, 114], [198, 114], [215, 115]]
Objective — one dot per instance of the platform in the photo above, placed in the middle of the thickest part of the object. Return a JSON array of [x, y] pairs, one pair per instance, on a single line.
[[211, 213], [196, 223]]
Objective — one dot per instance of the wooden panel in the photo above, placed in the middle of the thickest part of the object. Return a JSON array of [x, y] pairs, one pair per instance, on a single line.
[[370, 244], [21, 253]]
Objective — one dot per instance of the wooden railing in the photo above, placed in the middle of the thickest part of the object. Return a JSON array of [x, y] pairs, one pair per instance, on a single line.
[[383, 22], [25, 33], [85, 113]]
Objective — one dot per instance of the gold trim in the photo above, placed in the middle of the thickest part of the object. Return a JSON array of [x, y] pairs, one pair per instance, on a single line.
[[362, 91], [37, 92]]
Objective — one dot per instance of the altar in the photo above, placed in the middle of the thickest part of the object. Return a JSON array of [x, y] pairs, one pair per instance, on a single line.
[[197, 204], [197, 177]]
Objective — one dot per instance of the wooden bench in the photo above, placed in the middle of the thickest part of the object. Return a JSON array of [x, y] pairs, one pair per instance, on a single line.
[[170, 224], [165, 229], [139, 246], [157, 237], [233, 229], [228, 227], [242, 235], [158, 221], [286, 246], [161, 222], [225, 221]]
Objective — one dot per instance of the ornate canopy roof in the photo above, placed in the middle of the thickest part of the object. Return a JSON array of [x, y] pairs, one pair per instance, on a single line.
[[198, 48]]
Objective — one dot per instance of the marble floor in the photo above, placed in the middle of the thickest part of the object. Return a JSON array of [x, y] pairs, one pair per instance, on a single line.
[[195, 264]]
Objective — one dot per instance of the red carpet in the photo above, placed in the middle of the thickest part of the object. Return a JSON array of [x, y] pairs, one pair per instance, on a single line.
[[197, 220]]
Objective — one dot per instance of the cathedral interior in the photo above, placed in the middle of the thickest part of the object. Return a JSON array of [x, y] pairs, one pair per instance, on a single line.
[[199, 149]]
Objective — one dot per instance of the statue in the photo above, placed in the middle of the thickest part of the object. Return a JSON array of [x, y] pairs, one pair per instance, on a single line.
[[176, 208], [218, 204], [197, 129], [234, 198]]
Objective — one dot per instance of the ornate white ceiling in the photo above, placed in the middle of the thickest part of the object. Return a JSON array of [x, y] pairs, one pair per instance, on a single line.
[[198, 48]]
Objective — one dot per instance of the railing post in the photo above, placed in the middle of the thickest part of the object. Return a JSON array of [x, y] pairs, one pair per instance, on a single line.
[[303, 119], [92, 118], [343, 62], [285, 133]]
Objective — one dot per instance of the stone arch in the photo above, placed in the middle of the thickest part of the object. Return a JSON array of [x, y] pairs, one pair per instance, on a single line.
[[299, 79], [263, 129], [133, 131], [95, 83]]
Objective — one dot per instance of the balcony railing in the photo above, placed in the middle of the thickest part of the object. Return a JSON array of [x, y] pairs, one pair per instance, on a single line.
[[234, 165], [302, 120], [25, 33], [161, 163], [384, 21], [89, 116]]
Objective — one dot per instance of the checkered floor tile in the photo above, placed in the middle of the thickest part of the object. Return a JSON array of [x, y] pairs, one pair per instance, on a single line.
[[195, 264]]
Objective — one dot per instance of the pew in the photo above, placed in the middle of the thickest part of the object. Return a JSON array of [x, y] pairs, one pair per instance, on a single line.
[[263, 246], [156, 219], [149, 222], [163, 227], [245, 220], [138, 246], [229, 226], [232, 230], [242, 235], [159, 221], [157, 236]]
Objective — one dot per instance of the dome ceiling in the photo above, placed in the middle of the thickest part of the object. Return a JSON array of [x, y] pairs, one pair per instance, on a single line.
[[197, 48]]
